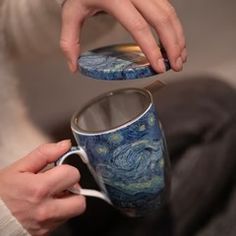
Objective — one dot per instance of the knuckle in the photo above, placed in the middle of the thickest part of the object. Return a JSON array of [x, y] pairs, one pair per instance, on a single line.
[[177, 49], [155, 53], [42, 150], [71, 172], [39, 192], [64, 45], [169, 14], [164, 19], [82, 205], [171, 11], [140, 26], [42, 215], [42, 147], [182, 44], [181, 39]]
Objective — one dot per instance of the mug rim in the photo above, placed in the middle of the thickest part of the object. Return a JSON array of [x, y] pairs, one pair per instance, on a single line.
[[76, 129]]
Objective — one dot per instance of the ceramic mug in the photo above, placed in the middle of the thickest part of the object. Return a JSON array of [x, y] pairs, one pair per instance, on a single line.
[[120, 139]]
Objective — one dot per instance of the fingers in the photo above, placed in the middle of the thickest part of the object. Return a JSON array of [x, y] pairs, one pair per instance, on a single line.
[[136, 16], [72, 20], [60, 178], [71, 206], [134, 22], [177, 26], [161, 15], [180, 35], [41, 156], [64, 208]]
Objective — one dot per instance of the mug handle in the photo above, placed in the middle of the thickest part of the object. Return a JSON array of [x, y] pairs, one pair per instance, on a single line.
[[85, 192]]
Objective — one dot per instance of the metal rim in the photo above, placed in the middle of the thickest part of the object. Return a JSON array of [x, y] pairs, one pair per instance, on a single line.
[[75, 128]]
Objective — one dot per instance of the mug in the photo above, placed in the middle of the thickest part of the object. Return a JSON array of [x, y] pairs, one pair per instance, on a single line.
[[121, 140]]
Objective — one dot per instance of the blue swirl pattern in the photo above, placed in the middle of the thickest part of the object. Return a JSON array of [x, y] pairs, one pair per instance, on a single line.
[[130, 162], [116, 63]]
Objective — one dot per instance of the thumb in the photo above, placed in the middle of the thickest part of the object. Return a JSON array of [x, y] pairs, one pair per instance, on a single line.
[[42, 156], [72, 22]]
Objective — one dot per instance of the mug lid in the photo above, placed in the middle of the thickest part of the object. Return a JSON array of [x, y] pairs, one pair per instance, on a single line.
[[117, 62]]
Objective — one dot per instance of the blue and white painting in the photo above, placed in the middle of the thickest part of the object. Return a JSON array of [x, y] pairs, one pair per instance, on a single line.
[[117, 62], [130, 162]]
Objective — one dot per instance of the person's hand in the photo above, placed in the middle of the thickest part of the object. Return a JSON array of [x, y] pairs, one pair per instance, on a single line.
[[137, 16], [38, 199]]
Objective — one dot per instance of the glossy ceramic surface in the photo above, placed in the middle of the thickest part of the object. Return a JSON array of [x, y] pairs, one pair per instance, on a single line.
[[117, 62], [129, 163]]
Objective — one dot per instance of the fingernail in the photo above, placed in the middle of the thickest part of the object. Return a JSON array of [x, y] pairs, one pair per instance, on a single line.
[[184, 55], [64, 143], [179, 63], [161, 65]]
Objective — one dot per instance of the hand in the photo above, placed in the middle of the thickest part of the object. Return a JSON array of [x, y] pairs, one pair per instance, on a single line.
[[137, 16], [35, 198]]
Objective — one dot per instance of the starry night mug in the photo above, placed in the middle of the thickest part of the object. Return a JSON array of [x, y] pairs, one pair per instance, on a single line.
[[120, 139]]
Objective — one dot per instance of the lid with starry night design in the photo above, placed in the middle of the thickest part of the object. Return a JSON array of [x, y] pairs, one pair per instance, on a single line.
[[117, 62]]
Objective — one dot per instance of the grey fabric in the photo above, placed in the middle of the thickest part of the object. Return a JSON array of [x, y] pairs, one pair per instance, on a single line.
[[199, 119]]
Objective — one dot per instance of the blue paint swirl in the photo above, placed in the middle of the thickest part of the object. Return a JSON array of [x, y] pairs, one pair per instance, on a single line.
[[117, 62], [130, 164]]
